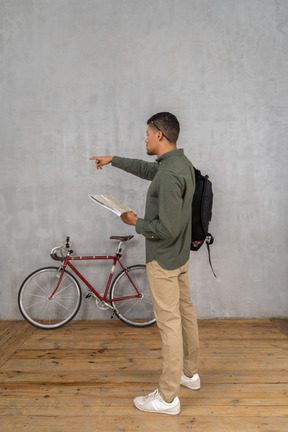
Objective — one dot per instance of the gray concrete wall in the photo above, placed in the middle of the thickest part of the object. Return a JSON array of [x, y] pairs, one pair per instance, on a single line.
[[81, 77]]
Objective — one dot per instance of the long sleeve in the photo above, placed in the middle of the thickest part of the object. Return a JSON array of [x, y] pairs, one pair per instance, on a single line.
[[137, 167]]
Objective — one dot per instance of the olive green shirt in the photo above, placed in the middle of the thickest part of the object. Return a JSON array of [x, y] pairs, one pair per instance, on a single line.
[[167, 221]]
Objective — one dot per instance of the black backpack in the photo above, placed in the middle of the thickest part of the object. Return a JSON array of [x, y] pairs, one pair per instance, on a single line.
[[202, 214]]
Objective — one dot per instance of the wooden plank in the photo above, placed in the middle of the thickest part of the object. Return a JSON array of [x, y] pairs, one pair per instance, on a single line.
[[146, 342], [281, 324], [8, 329], [124, 406], [141, 422], [257, 391], [151, 352], [102, 396], [13, 336], [136, 362], [236, 326], [3, 324], [106, 375]]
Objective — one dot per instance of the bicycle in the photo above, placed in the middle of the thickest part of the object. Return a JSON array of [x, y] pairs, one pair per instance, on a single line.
[[50, 297]]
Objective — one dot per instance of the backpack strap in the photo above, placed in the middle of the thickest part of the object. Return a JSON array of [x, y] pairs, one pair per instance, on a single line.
[[210, 240]]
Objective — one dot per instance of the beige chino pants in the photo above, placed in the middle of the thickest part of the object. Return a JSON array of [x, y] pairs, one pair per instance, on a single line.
[[176, 318]]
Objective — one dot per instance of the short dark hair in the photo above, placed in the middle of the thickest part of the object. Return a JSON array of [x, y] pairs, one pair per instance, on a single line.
[[167, 123]]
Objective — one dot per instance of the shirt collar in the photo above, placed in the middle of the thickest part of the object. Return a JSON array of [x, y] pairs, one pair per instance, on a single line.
[[177, 152]]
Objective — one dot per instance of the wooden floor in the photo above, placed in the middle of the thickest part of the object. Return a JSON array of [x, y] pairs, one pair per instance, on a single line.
[[83, 377]]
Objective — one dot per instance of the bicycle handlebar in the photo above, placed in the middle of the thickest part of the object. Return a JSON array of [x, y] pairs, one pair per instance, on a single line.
[[54, 255], [54, 251]]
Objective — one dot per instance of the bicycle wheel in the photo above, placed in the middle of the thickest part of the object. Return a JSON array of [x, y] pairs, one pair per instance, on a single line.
[[137, 312], [36, 306]]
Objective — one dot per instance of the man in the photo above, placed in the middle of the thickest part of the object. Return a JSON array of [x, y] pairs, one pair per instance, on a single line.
[[167, 229]]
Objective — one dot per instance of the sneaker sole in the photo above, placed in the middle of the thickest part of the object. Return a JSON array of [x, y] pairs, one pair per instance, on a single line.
[[173, 411], [198, 387]]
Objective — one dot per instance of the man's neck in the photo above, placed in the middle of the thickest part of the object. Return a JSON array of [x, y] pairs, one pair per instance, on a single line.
[[166, 149]]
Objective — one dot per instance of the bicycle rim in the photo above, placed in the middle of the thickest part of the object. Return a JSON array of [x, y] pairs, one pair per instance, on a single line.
[[137, 312], [35, 303]]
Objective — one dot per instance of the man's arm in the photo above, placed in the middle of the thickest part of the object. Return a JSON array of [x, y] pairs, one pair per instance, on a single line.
[[137, 167], [140, 168], [146, 170]]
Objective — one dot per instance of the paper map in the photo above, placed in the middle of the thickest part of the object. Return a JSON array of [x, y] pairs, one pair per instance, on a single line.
[[111, 203]]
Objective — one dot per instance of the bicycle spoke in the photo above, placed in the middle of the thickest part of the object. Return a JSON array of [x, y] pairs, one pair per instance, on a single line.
[[131, 307], [36, 295], [61, 305], [43, 309], [63, 289], [68, 298], [68, 295], [35, 304], [39, 287]]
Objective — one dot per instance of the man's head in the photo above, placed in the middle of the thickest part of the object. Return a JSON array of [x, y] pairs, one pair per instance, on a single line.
[[167, 124], [163, 129]]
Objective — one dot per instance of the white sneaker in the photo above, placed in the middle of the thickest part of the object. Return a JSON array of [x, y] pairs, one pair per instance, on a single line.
[[192, 383], [154, 403]]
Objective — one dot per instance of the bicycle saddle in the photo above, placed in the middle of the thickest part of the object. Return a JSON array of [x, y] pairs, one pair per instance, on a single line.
[[122, 238]]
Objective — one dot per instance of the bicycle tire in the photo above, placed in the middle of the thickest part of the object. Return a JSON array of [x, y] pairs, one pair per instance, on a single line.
[[34, 303], [136, 312]]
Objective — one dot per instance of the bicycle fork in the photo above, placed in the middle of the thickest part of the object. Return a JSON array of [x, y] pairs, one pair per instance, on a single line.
[[61, 270]]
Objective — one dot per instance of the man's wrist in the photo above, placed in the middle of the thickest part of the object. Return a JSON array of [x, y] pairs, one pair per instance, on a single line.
[[115, 160]]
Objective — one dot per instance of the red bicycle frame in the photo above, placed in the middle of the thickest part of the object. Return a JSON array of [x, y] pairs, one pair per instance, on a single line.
[[115, 259]]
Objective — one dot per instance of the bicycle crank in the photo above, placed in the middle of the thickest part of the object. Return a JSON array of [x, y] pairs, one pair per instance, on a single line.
[[101, 304]]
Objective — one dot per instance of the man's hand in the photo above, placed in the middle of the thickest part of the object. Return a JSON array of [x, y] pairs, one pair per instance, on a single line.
[[129, 218], [101, 161]]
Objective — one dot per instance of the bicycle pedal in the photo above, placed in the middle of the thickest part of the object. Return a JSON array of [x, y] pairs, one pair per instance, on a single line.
[[89, 295], [113, 314]]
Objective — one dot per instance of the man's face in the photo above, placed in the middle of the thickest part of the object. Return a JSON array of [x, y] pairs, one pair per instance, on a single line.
[[151, 141]]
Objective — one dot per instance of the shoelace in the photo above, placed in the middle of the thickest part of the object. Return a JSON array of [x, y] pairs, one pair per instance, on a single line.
[[153, 395]]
